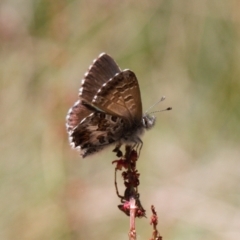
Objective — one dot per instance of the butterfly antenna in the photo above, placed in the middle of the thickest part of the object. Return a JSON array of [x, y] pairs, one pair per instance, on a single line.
[[162, 99], [167, 109]]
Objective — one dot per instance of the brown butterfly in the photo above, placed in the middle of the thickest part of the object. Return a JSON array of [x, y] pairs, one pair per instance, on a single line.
[[109, 109]]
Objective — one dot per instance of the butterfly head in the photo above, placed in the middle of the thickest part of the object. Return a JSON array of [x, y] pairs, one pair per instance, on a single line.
[[148, 121]]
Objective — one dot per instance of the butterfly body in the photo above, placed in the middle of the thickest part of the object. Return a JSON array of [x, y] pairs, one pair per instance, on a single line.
[[109, 110]]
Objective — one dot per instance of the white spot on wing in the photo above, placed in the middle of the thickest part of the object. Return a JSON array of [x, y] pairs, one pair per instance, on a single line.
[[102, 54], [76, 103], [116, 75], [86, 73], [80, 91]]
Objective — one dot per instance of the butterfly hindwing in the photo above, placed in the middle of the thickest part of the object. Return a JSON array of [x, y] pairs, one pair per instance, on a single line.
[[97, 131], [75, 115]]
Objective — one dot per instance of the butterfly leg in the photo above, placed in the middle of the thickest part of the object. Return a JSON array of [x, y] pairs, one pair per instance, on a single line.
[[116, 186], [139, 146], [117, 150]]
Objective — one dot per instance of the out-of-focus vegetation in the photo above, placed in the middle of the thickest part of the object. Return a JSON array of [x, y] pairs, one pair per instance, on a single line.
[[190, 162]]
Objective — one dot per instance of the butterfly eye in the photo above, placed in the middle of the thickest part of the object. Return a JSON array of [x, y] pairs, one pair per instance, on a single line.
[[148, 121]]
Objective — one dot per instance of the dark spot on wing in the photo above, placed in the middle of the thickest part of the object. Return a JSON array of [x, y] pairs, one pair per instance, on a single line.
[[102, 115], [114, 118], [101, 139]]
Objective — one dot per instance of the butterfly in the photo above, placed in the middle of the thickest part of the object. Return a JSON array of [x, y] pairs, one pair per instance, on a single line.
[[109, 109]]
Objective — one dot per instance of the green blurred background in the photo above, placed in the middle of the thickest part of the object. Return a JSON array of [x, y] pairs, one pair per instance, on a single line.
[[187, 50]]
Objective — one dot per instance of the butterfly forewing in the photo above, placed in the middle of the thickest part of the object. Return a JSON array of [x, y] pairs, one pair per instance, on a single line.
[[120, 96], [103, 69]]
